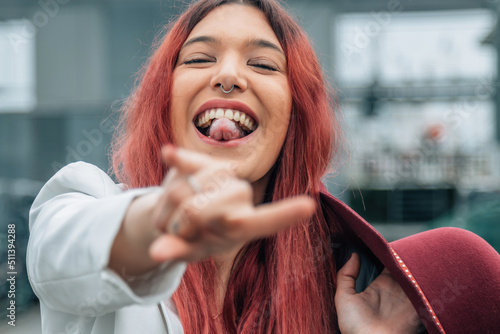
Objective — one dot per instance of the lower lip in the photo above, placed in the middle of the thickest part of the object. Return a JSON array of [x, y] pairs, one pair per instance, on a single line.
[[224, 143]]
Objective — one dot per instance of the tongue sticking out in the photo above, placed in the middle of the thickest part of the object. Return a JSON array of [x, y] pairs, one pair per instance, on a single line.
[[225, 129]]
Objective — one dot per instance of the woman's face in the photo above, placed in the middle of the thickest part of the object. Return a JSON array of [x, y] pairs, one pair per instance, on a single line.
[[232, 45]]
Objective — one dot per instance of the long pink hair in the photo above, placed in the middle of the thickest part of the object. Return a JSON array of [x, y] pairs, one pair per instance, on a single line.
[[285, 283]]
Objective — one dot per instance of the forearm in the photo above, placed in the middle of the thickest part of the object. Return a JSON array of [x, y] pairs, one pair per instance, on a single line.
[[130, 251]]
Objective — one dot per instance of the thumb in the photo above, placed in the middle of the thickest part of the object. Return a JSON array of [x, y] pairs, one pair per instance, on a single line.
[[347, 275], [168, 247]]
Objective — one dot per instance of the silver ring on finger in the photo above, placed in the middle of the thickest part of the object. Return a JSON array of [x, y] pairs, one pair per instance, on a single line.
[[194, 184]]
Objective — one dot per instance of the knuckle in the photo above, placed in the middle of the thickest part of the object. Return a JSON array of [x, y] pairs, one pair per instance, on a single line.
[[160, 202], [244, 190], [158, 220], [200, 201], [232, 223], [246, 187], [174, 198], [176, 194], [219, 179], [190, 222], [189, 212], [224, 171], [211, 189]]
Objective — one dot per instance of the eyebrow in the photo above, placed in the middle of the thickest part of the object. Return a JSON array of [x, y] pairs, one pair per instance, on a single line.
[[262, 43], [204, 39], [257, 42]]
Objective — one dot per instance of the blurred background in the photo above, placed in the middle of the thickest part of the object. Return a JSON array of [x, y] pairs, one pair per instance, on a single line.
[[417, 83]]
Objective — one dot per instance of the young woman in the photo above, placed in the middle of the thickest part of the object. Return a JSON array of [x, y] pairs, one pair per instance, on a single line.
[[221, 220]]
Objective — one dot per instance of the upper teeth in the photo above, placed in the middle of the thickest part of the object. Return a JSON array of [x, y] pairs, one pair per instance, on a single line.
[[246, 122]]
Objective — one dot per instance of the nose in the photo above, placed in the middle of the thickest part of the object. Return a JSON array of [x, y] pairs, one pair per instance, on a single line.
[[229, 72]]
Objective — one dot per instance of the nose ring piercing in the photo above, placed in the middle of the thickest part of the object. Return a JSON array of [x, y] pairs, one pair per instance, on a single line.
[[226, 91]]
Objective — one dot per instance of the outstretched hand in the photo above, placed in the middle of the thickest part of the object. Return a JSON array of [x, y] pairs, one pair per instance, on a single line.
[[215, 214], [382, 308]]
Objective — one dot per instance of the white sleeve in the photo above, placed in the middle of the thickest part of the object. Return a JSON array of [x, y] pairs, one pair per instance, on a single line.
[[73, 223]]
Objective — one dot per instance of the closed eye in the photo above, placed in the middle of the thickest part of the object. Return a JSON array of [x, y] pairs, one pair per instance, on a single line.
[[264, 66], [197, 61]]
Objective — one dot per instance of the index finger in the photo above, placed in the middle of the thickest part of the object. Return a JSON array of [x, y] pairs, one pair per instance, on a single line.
[[187, 162], [268, 219]]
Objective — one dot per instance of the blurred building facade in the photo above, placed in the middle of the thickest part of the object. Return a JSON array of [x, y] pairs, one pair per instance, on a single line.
[[417, 83]]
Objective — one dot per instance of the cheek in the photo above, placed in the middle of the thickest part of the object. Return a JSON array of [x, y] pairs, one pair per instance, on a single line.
[[176, 122], [274, 137], [182, 93], [280, 122], [179, 95], [278, 102], [281, 105], [175, 102], [282, 101]]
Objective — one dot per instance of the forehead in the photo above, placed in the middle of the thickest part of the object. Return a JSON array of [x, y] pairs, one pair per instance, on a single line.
[[235, 22]]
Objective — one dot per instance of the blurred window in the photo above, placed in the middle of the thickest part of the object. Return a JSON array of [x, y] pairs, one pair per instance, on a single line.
[[416, 92], [414, 47], [17, 66]]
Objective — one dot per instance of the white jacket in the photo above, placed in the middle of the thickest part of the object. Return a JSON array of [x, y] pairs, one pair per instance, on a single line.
[[73, 222]]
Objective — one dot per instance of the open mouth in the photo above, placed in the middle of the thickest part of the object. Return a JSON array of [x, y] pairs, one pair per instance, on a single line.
[[225, 124]]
